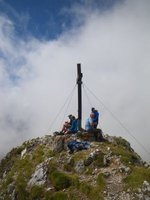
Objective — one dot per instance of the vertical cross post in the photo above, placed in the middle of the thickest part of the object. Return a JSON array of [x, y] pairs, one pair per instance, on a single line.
[[79, 82]]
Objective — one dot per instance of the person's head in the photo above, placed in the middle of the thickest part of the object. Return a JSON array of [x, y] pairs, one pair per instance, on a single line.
[[92, 115], [92, 109], [70, 116], [73, 117]]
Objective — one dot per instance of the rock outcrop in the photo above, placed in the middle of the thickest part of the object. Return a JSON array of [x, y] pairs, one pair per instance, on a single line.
[[45, 169]]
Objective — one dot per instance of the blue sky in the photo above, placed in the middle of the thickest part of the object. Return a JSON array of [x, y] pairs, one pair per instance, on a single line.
[[41, 43], [49, 18]]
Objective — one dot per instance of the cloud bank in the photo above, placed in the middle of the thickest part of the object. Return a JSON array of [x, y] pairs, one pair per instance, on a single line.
[[36, 76]]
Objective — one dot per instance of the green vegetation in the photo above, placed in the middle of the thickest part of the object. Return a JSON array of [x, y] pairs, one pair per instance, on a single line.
[[20, 170], [136, 178], [24, 169], [69, 166], [100, 182], [71, 182], [86, 189], [93, 192], [49, 153], [59, 179], [127, 157], [62, 178], [89, 170], [57, 196], [20, 188], [122, 142], [7, 163], [90, 191], [36, 192], [24, 166], [38, 154], [81, 155], [98, 161]]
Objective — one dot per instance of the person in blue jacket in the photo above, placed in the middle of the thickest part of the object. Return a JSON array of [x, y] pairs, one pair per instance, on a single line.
[[74, 125], [96, 117]]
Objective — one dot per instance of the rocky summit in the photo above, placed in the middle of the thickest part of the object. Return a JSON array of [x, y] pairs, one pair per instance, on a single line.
[[46, 169]]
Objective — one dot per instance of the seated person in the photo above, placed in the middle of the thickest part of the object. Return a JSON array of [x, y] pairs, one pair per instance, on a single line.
[[74, 126], [65, 127], [70, 119], [90, 127], [89, 124]]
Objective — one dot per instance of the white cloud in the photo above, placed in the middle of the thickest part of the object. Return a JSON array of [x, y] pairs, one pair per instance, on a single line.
[[36, 77]]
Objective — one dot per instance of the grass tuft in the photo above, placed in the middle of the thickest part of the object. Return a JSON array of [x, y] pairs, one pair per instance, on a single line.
[[136, 178], [60, 180]]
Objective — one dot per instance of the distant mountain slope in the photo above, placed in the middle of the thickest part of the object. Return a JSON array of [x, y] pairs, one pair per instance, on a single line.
[[44, 169]]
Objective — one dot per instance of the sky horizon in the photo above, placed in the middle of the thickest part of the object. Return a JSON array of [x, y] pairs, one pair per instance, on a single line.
[[41, 44]]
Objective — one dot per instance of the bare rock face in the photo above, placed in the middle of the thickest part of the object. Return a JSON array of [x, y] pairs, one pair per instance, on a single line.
[[44, 168], [58, 144], [39, 176]]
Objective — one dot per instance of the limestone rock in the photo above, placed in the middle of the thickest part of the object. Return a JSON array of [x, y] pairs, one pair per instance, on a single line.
[[79, 167]]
